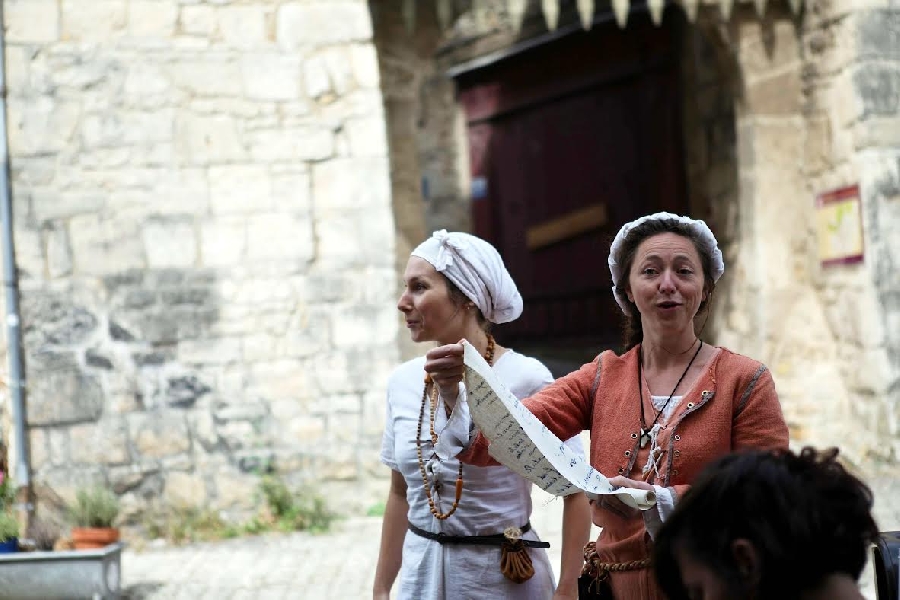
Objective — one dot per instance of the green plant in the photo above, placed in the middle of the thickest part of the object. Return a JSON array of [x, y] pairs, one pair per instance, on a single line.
[[376, 510], [9, 526], [7, 492], [288, 511], [180, 525], [95, 507]]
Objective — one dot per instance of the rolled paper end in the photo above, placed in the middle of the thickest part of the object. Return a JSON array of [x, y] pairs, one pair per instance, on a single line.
[[639, 499]]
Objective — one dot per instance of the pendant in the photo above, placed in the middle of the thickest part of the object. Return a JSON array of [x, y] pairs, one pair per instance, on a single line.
[[645, 437]]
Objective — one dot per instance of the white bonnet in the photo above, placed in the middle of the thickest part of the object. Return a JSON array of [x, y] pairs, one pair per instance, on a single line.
[[477, 269], [707, 242]]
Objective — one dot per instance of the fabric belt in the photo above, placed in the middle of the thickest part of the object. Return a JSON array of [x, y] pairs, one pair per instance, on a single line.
[[476, 540]]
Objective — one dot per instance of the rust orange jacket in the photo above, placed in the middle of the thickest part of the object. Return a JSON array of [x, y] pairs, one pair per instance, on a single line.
[[732, 406]]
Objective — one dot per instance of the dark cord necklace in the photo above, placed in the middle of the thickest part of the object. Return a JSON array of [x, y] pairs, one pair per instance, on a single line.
[[645, 431]]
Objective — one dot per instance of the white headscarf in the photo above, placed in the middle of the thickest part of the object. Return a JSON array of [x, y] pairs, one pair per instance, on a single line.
[[476, 268], [708, 244]]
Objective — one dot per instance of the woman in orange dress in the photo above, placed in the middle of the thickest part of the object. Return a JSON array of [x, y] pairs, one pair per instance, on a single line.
[[658, 412]]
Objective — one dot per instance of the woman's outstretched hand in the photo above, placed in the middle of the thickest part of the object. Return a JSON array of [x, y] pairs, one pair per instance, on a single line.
[[445, 365]]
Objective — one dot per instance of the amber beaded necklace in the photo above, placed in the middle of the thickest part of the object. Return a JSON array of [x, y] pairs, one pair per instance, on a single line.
[[489, 357]]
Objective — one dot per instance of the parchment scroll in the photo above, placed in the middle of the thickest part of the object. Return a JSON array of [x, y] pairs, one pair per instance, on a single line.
[[522, 443]]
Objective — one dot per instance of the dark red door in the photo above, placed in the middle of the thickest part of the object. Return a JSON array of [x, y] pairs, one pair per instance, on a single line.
[[567, 142]]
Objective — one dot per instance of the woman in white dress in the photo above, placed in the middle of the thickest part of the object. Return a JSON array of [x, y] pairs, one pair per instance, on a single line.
[[444, 523]]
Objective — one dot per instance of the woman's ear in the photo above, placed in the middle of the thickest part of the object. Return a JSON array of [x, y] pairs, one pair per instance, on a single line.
[[746, 558]]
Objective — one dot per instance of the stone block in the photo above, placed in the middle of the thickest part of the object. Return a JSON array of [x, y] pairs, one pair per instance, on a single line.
[[156, 435], [41, 126], [262, 346], [283, 236], [102, 443], [170, 242], [364, 62], [203, 429], [59, 255], [210, 351], [304, 24], [877, 132], [291, 189], [60, 392], [223, 241], [210, 77], [878, 34], [185, 490], [55, 319], [207, 139], [152, 18], [232, 490], [95, 21], [60, 446], [309, 430], [762, 54], [239, 189], [291, 144], [352, 183], [29, 253], [367, 137], [198, 19], [340, 69], [38, 448], [238, 434], [878, 89], [251, 412], [128, 478], [347, 239], [243, 27], [286, 378], [148, 84], [60, 485], [315, 78], [777, 94], [102, 246], [271, 76], [31, 21], [311, 335], [359, 325]]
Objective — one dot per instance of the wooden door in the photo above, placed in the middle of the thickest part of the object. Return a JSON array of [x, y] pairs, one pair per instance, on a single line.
[[567, 142]]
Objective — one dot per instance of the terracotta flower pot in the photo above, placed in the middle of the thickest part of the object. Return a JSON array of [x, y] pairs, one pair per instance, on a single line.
[[89, 538]]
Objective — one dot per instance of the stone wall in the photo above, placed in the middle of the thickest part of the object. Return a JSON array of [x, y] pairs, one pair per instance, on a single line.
[[816, 108], [853, 99], [205, 243]]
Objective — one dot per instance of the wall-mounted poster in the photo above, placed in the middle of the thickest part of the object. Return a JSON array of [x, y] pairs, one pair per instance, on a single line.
[[839, 226]]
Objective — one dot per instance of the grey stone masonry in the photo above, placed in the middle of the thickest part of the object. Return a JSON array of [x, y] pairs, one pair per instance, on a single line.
[[205, 243]]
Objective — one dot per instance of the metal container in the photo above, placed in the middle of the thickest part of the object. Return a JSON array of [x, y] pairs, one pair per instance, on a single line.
[[68, 574]]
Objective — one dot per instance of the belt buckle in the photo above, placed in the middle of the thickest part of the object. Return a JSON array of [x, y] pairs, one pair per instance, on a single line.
[[513, 534]]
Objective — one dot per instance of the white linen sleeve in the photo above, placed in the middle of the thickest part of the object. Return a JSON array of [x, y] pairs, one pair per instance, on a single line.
[[387, 438], [458, 433], [655, 517]]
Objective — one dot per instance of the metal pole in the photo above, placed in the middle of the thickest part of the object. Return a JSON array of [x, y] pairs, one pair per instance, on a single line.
[[11, 284]]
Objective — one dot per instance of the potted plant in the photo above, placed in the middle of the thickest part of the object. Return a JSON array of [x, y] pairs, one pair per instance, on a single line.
[[94, 512], [9, 532]]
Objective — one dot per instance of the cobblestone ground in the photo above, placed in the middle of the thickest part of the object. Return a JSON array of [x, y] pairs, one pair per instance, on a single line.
[[339, 565]]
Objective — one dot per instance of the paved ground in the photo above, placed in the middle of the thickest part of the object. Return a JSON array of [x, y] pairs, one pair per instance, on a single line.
[[339, 565]]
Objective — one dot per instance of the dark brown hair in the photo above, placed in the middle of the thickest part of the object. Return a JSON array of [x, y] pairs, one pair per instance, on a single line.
[[633, 332], [804, 514]]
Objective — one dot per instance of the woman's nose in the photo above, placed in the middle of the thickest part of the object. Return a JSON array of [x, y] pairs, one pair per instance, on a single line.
[[667, 282], [403, 302]]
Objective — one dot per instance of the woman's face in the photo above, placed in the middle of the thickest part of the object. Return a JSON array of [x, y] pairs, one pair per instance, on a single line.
[[431, 314], [666, 283]]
